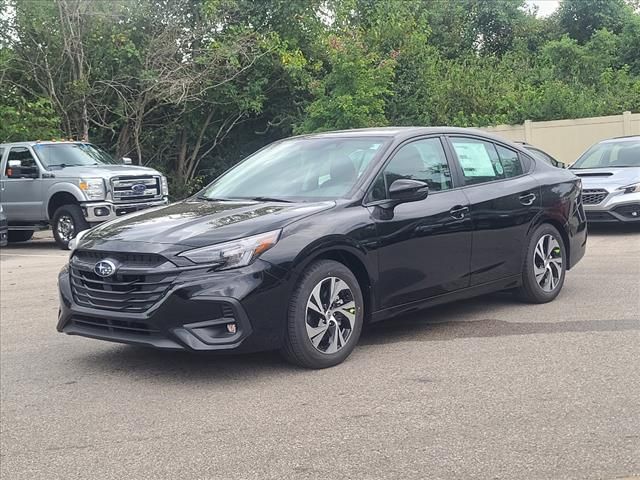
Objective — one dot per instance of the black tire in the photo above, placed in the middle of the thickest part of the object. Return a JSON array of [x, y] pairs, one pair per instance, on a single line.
[[19, 235], [531, 291], [74, 214], [298, 348]]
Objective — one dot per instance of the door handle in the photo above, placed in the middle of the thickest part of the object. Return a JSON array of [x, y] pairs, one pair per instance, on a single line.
[[527, 199], [458, 212]]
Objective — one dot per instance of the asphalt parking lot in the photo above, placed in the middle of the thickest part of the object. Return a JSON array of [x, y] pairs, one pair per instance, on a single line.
[[487, 388]]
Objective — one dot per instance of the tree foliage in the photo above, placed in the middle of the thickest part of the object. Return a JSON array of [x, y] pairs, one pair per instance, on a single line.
[[192, 86]]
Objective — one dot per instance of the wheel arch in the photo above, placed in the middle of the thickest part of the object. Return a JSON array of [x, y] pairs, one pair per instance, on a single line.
[[558, 225], [350, 256], [59, 199]]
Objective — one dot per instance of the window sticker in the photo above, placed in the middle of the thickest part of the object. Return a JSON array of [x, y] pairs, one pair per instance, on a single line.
[[474, 159]]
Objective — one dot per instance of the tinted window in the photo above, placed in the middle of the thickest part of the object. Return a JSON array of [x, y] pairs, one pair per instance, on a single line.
[[511, 165], [20, 162], [479, 160], [422, 160]]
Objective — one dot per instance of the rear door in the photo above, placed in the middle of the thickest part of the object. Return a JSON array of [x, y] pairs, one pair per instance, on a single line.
[[504, 200], [424, 247], [22, 187]]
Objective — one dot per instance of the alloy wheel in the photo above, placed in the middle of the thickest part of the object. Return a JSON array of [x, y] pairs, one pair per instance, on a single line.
[[547, 262], [330, 315], [66, 228]]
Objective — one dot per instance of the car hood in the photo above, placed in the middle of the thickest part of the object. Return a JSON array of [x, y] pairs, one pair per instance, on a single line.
[[103, 171], [608, 178], [196, 223]]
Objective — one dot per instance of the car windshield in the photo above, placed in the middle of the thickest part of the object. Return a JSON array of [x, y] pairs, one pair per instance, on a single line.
[[61, 155], [625, 153], [298, 169], [539, 154]]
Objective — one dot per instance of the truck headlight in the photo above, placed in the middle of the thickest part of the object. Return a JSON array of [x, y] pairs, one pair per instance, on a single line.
[[165, 186], [93, 188], [633, 188], [237, 253]]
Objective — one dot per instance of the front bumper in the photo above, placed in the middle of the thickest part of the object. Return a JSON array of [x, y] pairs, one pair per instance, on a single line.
[[97, 212], [616, 207], [193, 314]]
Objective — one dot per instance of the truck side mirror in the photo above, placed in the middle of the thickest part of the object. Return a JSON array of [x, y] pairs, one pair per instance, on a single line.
[[127, 161]]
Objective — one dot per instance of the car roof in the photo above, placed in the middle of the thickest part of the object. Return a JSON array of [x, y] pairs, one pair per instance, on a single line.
[[629, 138], [39, 142], [401, 133]]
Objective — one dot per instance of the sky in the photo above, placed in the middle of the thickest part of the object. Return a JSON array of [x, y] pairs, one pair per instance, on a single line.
[[545, 7]]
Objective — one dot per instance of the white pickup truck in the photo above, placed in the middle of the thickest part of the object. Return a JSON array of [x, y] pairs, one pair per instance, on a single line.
[[70, 186]]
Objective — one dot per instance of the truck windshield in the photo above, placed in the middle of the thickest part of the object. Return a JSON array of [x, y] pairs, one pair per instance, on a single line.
[[298, 169], [61, 155]]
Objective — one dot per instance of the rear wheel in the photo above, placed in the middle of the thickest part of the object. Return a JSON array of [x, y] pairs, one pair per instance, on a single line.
[[325, 316], [68, 221], [544, 266], [19, 235]]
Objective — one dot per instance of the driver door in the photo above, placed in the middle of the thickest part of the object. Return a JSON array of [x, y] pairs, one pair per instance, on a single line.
[[22, 187], [424, 247]]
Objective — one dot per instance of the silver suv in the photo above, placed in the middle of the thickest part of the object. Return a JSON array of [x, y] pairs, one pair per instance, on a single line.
[[610, 173], [70, 186]]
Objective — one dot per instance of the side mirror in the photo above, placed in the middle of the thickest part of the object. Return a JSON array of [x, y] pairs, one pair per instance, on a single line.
[[127, 161], [408, 190]]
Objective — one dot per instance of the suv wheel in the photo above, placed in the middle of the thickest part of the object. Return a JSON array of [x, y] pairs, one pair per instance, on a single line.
[[68, 221], [544, 266], [325, 316], [19, 235]]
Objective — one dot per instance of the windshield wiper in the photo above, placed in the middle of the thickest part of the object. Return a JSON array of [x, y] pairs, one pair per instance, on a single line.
[[213, 199], [269, 199]]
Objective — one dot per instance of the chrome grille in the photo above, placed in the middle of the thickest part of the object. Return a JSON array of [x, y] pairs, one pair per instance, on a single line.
[[140, 281], [132, 188], [593, 197]]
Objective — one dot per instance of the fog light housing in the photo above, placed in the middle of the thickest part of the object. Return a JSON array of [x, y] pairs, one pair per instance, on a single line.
[[101, 211]]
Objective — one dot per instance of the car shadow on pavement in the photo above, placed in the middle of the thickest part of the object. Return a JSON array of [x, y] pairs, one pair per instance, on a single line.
[[436, 324]]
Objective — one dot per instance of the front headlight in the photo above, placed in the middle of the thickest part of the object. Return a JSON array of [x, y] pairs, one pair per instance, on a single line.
[[165, 186], [237, 253], [93, 188], [633, 188]]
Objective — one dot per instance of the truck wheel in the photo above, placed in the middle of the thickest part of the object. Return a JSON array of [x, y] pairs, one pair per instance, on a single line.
[[19, 235], [68, 221]]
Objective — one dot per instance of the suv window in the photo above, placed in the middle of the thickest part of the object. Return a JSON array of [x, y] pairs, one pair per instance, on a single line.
[[422, 160], [19, 162]]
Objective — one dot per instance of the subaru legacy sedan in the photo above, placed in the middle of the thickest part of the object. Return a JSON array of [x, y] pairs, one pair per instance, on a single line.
[[301, 244], [610, 172]]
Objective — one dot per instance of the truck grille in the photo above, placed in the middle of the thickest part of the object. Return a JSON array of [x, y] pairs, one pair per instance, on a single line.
[[136, 188], [593, 197], [140, 281]]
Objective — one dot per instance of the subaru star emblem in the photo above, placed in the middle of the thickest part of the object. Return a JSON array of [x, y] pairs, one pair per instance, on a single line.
[[104, 268], [138, 188]]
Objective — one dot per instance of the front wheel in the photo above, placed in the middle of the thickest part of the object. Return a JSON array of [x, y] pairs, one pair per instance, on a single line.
[[544, 266], [325, 316], [68, 221]]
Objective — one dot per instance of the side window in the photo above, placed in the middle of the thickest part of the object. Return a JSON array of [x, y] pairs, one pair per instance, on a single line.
[[478, 159], [422, 160], [21, 163], [511, 165]]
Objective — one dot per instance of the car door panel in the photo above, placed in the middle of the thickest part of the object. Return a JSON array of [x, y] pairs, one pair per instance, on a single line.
[[424, 247], [22, 197], [424, 250], [503, 204]]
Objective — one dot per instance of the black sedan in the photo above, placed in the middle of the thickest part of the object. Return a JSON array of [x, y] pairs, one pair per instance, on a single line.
[[302, 243]]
